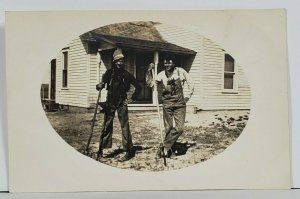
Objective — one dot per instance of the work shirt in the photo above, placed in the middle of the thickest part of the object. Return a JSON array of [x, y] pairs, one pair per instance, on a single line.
[[118, 84], [176, 87], [178, 74]]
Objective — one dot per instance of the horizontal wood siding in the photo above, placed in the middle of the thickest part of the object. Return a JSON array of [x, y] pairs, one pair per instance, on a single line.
[[76, 92], [190, 40], [207, 71], [96, 73], [212, 74], [93, 62]]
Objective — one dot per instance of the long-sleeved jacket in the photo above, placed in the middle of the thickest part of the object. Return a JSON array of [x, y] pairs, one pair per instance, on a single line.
[[118, 84]]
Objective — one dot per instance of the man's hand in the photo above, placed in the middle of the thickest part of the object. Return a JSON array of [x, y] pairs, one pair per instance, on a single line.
[[186, 99], [151, 66], [129, 101], [134, 97], [100, 86]]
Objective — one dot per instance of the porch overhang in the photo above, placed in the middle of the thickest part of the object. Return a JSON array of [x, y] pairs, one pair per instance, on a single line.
[[106, 42]]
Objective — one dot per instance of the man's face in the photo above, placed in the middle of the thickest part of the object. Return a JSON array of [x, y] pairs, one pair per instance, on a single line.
[[120, 63], [169, 65]]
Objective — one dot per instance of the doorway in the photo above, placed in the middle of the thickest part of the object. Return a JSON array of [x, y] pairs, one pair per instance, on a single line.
[[142, 61], [53, 80]]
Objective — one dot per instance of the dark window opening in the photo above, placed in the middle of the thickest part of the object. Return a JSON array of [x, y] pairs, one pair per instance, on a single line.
[[65, 70], [229, 72], [53, 79]]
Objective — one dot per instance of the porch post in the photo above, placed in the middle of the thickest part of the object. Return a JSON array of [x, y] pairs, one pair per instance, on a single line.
[[154, 96]]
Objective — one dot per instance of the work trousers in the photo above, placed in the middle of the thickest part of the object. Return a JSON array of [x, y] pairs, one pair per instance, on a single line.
[[173, 133], [106, 134]]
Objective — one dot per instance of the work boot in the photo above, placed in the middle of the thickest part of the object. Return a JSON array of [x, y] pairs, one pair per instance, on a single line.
[[99, 154], [160, 150], [170, 154], [128, 155]]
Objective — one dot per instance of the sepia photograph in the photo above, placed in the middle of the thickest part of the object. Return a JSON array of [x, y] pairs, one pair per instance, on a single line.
[[147, 100], [146, 96]]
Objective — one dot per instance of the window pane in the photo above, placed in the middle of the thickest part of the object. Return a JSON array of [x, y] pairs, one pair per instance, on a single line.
[[140, 73], [65, 76], [65, 60], [228, 81], [229, 66], [229, 63]]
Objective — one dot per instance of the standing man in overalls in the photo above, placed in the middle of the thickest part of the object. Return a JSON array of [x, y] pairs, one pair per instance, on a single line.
[[174, 102], [117, 82]]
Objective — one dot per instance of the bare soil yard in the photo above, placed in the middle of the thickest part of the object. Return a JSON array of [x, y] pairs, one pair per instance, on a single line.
[[206, 134]]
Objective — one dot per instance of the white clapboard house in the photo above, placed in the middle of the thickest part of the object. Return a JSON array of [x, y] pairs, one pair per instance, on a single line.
[[219, 82]]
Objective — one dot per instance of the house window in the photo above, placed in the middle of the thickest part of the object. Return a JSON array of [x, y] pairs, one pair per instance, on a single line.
[[65, 69], [229, 74]]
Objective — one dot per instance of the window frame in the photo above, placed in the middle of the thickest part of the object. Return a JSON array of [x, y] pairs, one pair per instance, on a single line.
[[65, 66], [234, 73]]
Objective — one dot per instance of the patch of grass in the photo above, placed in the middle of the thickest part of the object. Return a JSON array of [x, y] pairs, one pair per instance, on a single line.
[[195, 145]]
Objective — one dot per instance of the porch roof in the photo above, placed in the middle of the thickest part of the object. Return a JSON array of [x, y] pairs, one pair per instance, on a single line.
[[111, 41]]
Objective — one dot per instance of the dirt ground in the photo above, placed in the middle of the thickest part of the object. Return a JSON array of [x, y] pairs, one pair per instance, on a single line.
[[206, 134]]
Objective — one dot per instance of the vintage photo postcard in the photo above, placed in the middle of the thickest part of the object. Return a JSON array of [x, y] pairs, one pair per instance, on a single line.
[[147, 100]]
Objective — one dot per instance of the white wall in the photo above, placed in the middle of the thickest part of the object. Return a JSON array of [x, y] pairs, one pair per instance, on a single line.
[[207, 71], [190, 40], [213, 72], [76, 92]]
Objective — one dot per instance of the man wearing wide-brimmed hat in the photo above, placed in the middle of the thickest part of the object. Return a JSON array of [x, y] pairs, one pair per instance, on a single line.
[[117, 82]]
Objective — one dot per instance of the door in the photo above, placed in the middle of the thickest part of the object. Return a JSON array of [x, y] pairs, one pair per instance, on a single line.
[[53, 79], [142, 61]]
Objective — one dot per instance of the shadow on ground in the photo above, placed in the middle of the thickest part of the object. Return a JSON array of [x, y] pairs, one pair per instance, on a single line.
[[205, 135], [181, 148]]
